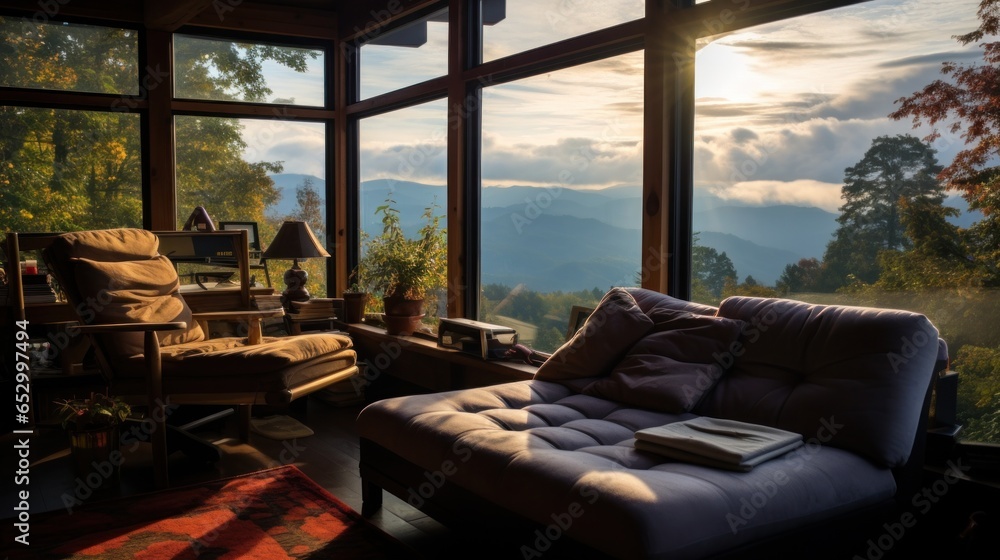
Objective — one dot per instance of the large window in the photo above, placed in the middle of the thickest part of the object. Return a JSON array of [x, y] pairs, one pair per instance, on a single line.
[[561, 190], [403, 157], [806, 188]]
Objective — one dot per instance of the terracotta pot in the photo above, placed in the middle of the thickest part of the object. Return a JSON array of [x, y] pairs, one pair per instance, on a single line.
[[354, 306], [402, 316], [398, 305], [402, 324]]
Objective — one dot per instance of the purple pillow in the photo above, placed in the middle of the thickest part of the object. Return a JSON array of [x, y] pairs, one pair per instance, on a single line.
[[599, 345], [673, 366]]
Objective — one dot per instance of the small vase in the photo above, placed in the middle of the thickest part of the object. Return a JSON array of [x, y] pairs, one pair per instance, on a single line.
[[96, 457], [354, 306]]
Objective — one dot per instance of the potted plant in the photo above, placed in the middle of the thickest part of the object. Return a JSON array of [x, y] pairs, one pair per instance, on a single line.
[[94, 428], [403, 271]]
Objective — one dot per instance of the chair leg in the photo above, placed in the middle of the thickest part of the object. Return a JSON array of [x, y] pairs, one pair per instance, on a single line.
[[244, 417], [157, 409]]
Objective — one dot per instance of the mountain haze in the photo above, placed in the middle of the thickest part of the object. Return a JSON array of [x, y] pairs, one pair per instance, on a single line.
[[556, 238]]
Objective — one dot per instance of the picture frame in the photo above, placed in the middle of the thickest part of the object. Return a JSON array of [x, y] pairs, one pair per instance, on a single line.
[[253, 239], [577, 317]]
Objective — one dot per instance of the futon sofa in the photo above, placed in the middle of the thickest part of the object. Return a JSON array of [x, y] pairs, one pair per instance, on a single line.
[[553, 460]]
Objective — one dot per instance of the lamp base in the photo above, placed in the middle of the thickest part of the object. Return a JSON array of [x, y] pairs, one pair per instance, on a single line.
[[295, 287]]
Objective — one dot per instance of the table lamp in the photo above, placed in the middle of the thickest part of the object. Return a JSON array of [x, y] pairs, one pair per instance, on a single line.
[[295, 241]]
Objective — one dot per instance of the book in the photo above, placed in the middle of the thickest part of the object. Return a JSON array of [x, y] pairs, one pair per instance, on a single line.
[[717, 442]]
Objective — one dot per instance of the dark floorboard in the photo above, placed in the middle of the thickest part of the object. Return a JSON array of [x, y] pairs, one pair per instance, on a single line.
[[329, 457]]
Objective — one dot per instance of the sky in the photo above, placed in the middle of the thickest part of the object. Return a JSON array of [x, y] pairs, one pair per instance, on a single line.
[[781, 110]]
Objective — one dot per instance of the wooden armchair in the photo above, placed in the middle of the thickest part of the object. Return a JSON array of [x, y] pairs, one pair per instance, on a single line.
[[152, 349]]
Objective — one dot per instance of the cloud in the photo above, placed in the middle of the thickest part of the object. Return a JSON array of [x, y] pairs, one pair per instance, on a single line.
[[572, 162], [801, 192], [423, 162]]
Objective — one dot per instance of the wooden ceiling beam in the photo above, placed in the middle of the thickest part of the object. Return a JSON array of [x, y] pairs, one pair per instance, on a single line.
[[169, 16], [267, 18]]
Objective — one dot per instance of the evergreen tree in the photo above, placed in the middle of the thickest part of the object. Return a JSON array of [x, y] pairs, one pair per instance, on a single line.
[[894, 170]]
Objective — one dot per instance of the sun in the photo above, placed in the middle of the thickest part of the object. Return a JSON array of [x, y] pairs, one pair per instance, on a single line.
[[721, 71]]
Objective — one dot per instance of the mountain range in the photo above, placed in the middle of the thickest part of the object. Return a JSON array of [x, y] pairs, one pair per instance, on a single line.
[[554, 238]]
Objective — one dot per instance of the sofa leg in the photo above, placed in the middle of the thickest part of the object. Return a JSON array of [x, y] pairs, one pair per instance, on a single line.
[[244, 413], [371, 497]]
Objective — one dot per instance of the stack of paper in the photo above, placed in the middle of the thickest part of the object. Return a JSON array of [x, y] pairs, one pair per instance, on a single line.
[[717, 442]]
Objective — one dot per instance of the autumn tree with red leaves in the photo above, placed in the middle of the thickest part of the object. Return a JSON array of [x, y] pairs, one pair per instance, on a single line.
[[968, 105]]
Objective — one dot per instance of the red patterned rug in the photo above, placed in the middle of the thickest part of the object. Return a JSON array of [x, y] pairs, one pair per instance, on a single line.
[[271, 514]]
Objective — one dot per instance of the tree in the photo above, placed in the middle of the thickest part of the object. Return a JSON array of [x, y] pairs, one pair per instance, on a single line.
[[968, 105], [73, 170], [803, 276], [893, 170], [62, 169], [711, 269]]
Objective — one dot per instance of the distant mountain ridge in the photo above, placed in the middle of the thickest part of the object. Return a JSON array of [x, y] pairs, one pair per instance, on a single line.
[[556, 238]]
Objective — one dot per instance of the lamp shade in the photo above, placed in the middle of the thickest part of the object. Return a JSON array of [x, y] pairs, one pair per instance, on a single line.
[[295, 241]]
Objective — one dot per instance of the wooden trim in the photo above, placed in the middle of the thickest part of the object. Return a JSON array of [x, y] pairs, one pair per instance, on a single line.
[[655, 152], [459, 222], [430, 90], [338, 185], [250, 110], [161, 165], [168, 16], [268, 18], [84, 101]]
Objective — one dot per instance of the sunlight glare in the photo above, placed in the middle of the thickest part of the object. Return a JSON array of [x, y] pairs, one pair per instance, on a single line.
[[721, 71]]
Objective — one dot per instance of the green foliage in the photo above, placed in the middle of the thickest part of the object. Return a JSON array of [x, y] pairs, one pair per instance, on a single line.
[[803, 276], [211, 171], [96, 411], [68, 170], [546, 312], [979, 392], [394, 265], [711, 268]]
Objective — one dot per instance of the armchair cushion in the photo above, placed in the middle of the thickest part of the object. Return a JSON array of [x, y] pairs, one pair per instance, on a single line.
[[230, 364], [139, 291]]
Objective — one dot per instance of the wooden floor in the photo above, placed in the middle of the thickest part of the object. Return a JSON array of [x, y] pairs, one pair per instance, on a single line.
[[329, 457]]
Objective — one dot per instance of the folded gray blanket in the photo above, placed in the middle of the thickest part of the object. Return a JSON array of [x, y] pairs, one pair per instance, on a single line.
[[717, 442]]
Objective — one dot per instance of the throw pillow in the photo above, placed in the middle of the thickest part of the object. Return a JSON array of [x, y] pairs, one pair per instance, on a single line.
[[140, 291], [674, 366], [614, 326]]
